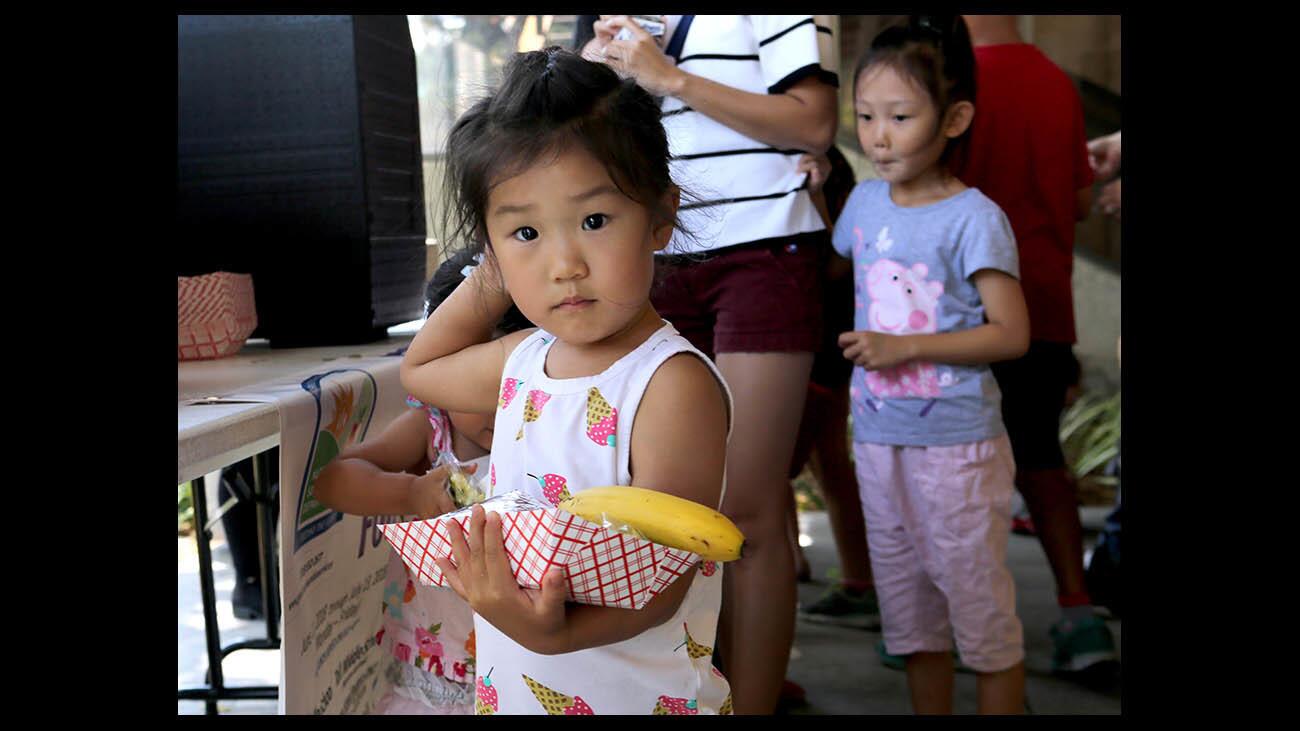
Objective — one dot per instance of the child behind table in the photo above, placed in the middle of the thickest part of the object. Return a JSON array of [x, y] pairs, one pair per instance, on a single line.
[[561, 176], [427, 636], [938, 299]]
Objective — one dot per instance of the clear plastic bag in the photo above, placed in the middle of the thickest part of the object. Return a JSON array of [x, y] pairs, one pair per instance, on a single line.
[[465, 489]]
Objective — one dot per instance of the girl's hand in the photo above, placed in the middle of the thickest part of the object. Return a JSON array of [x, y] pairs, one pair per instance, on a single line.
[[534, 618], [429, 496], [818, 168], [875, 351], [640, 58]]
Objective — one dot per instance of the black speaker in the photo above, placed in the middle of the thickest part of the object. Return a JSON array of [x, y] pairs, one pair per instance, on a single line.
[[299, 162]]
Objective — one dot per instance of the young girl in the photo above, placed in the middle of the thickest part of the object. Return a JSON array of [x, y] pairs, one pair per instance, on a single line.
[[562, 176], [427, 631], [937, 300]]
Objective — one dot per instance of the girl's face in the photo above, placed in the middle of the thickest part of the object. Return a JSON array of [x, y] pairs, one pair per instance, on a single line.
[[899, 127], [576, 254]]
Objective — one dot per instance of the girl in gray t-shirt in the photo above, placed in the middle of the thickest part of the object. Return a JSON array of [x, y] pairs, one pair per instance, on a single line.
[[937, 299]]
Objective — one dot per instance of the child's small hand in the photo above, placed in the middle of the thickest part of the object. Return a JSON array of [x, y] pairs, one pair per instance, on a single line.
[[873, 350], [818, 168], [429, 496], [481, 576]]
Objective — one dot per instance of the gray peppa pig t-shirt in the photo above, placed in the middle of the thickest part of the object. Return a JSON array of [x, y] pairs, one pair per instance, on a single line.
[[912, 272]]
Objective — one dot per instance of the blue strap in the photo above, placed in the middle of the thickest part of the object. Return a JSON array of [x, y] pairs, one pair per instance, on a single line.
[[675, 43]]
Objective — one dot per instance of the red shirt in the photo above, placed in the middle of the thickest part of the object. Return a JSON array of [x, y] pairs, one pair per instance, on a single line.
[[1028, 152]]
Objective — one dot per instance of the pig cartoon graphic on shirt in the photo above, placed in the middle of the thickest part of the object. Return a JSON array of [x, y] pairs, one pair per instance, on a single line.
[[902, 303]]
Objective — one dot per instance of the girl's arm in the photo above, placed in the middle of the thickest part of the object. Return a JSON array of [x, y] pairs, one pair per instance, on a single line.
[[1004, 337], [372, 478], [679, 446], [802, 117], [679, 443], [453, 363]]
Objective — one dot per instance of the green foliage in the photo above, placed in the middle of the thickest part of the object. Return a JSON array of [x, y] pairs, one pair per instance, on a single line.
[[1090, 436], [184, 510], [807, 493]]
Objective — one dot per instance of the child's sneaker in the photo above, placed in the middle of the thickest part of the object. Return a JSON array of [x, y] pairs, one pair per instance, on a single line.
[[1082, 647], [844, 608], [893, 662]]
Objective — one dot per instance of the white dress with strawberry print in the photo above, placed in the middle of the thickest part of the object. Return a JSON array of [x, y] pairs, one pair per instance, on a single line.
[[555, 438]]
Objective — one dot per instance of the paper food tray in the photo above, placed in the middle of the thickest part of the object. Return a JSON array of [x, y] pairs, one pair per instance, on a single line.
[[603, 567]]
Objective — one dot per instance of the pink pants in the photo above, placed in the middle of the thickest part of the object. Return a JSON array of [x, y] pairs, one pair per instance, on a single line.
[[938, 519]]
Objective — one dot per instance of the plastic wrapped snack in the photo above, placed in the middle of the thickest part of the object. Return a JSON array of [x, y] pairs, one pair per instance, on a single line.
[[602, 566], [465, 489]]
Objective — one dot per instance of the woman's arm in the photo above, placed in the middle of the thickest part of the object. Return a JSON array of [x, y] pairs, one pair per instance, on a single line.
[[374, 477], [1004, 337], [453, 363], [801, 118]]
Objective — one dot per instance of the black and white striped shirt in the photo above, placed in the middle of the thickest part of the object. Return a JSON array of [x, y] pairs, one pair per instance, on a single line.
[[745, 190]]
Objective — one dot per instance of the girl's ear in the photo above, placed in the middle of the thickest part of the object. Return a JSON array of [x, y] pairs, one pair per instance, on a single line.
[[960, 116], [663, 230]]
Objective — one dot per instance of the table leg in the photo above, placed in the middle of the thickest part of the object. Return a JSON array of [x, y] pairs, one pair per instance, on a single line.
[[214, 678], [267, 562], [207, 586]]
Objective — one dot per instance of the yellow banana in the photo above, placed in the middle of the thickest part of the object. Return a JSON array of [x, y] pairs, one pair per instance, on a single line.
[[665, 519]]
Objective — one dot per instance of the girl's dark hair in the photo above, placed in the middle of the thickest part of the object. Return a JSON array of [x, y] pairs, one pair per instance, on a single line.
[[935, 52], [547, 101], [448, 278]]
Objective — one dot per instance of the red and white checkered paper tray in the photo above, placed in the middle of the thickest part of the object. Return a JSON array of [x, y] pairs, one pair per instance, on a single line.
[[215, 314], [603, 566]]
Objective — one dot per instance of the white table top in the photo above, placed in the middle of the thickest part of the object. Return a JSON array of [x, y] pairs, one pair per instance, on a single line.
[[212, 432]]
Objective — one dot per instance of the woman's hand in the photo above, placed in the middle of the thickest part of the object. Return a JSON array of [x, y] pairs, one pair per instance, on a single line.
[[818, 168], [639, 57], [429, 496], [535, 618], [604, 33], [875, 351]]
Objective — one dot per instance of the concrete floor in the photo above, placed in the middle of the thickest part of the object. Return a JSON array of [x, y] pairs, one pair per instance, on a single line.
[[837, 666], [842, 675]]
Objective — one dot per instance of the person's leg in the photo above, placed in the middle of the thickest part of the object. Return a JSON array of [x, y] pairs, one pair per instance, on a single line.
[[759, 589], [974, 481], [930, 682], [1053, 504], [239, 524], [834, 472], [913, 610], [1034, 390], [851, 601], [802, 569], [808, 425], [1002, 692]]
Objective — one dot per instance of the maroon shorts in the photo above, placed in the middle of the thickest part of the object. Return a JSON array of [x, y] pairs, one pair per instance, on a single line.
[[761, 297]]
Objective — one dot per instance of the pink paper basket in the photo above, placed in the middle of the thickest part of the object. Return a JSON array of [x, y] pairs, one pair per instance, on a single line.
[[215, 314], [603, 566]]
